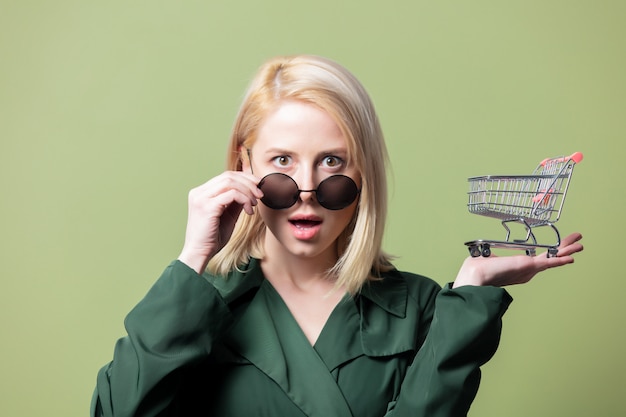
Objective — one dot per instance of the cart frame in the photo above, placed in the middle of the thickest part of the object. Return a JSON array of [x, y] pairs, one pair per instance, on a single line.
[[534, 200]]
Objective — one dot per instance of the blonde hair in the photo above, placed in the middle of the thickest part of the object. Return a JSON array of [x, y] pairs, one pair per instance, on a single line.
[[332, 88]]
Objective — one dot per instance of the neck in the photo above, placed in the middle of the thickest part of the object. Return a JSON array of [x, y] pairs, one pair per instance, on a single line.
[[306, 273]]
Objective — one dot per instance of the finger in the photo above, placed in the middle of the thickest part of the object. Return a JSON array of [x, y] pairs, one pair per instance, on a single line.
[[231, 177], [571, 238], [570, 250], [251, 180], [232, 197], [570, 245], [222, 186], [542, 262]]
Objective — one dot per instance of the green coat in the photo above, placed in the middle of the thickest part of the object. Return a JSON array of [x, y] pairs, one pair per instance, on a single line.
[[230, 347]]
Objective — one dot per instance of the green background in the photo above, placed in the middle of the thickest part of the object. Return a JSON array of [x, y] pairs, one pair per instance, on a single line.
[[110, 111]]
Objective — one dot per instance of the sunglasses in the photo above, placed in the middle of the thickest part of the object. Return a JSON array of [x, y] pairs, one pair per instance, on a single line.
[[280, 191]]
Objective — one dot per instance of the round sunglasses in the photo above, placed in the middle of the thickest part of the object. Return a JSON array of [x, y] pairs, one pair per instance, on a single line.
[[280, 191]]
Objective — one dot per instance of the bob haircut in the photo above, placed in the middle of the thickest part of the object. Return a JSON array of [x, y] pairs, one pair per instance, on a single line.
[[333, 89]]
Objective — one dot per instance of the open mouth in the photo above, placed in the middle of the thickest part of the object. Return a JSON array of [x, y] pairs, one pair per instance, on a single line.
[[305, 223]]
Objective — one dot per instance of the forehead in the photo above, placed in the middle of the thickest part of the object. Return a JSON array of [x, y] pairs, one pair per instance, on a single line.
[[299, 126]]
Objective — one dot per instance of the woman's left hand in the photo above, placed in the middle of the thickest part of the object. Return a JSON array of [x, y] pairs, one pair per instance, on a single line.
[[509, 270]]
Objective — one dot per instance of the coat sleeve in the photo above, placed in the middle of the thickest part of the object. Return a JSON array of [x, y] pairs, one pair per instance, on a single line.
[[173, 327], [464, 334]]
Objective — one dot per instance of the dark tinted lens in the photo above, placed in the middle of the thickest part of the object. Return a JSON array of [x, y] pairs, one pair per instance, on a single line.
[[279, 191], [337, 192]]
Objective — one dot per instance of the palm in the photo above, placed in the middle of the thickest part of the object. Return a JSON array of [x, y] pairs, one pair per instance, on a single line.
[[510, 270]]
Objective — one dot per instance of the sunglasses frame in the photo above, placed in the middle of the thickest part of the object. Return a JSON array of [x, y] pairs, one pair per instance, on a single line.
[[297, 192]]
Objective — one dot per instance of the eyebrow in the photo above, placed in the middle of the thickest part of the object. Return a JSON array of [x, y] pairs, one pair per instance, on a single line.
[[331, 151]]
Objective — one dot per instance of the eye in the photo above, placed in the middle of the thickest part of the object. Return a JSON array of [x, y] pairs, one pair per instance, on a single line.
[[282, 160], [332, 161]]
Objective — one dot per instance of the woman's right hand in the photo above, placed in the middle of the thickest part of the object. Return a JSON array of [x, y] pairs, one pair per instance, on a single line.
[[214, 208]]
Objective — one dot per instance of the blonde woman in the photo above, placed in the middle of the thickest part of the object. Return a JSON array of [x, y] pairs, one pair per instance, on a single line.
[[282, 301]]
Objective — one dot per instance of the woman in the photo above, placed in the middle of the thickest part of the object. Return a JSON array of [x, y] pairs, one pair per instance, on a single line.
[[301, 313]]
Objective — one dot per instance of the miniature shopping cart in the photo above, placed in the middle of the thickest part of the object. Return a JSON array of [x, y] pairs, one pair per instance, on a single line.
[[533, 200]]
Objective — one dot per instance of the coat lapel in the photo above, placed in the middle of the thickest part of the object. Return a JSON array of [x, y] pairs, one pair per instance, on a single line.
[[267, 335], [340, 341]]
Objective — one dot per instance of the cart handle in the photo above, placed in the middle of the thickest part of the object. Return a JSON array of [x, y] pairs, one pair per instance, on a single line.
[[576, 157]]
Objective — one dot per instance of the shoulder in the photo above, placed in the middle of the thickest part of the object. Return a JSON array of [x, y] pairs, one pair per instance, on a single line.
[[419, 287], [238, 283], [398, 292], [412, 279], [396, 311]]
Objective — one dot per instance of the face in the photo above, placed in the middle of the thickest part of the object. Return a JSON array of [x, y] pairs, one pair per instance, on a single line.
[[304, 142]]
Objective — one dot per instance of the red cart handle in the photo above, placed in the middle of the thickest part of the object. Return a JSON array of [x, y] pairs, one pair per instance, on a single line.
[[576, 157]]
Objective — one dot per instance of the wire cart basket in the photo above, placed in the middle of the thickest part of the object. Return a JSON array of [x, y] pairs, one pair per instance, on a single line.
[[533, 200]]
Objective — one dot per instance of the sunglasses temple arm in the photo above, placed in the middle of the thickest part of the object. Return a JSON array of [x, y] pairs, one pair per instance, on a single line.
[[250, 160]]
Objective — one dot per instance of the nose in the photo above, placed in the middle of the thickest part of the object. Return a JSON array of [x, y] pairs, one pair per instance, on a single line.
[[307, 185]]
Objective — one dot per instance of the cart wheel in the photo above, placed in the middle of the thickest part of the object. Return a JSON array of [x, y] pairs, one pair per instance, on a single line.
[[474, 251], [531, 252], [485, 251], [552, 252]]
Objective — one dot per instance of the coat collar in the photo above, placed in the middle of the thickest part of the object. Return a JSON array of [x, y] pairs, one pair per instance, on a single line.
[[239, 282], [374, 323], [382, 309], [389, 293]]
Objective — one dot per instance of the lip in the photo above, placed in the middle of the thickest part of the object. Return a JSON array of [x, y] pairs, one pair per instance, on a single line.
[[305, 227]]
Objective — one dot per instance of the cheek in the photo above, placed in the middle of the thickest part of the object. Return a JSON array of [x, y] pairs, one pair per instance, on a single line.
[[266, 214], [271, 218], [344, 217]]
